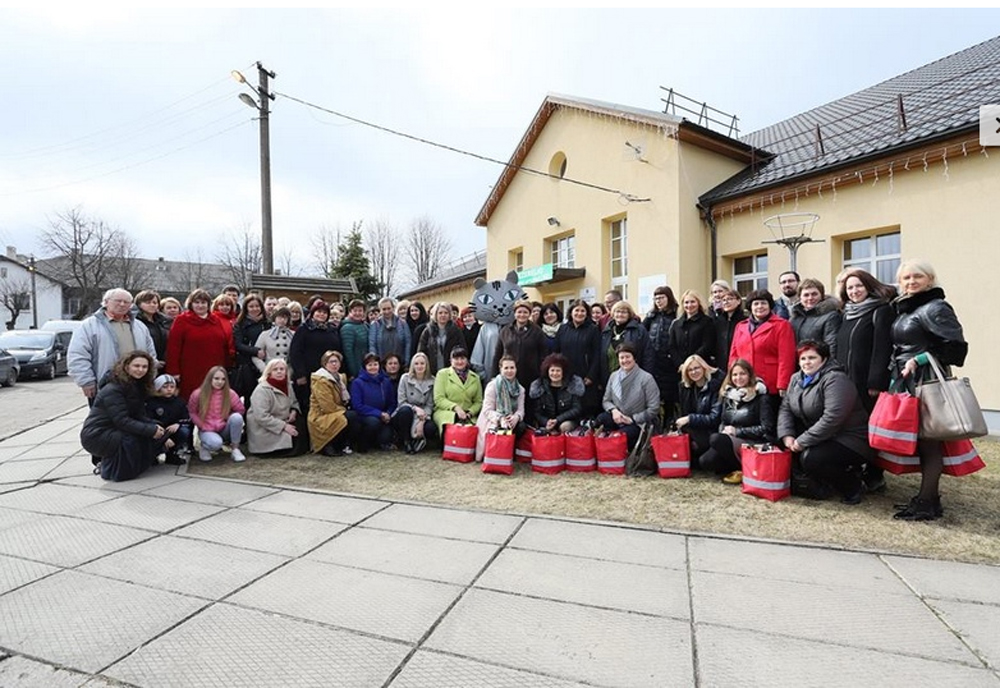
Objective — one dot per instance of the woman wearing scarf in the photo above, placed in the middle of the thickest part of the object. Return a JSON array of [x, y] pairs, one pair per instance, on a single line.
[[551, 321], [329, 417], [767, 343], [309, 343], [274, 424], [503, 405]]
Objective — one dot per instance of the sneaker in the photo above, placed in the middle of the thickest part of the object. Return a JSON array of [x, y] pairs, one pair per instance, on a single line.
[[204, 455], [238, 455], [348, 450], [161, 457], [734, 478], [419, 445]]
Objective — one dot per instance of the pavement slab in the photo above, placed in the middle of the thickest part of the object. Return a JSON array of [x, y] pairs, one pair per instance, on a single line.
[[79, 471], [368, 601], [27, 470], [28, 673], [66, 541], [148, 513], [628, 545], [208, 491], [233, 647], [15, 572], [52, 498], [321, 507], [574, 643], [950, 579], [629, 587], [84, 622], [435, 670], [50, 450], [191, 567], [448, 523], [286, 535], [978, 624], [11, 517]]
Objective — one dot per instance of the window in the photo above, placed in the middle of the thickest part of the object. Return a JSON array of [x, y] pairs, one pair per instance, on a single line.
[[749, 273], [878, 254], [619, 255], [3, 273], [515, 259], [563, 252], [557, 165]]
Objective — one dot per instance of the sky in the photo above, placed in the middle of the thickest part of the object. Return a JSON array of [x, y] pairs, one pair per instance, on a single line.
[[132, 115]]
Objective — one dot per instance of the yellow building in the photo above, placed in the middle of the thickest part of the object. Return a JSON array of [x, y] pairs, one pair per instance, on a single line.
[[600, 196]]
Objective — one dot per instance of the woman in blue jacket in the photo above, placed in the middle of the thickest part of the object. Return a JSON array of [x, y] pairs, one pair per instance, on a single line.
[[374, 400]]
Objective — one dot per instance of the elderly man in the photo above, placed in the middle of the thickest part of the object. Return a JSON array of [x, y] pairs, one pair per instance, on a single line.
[[107, 335], [389, 334]]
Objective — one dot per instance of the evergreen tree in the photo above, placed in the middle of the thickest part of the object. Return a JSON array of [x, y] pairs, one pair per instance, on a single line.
[[352, 261]]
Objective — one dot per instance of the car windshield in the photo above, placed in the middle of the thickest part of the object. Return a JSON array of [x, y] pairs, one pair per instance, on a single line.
[[25, 340]]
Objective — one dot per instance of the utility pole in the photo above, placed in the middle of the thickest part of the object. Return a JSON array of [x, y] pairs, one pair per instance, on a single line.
[[266, 243], [34, 293]]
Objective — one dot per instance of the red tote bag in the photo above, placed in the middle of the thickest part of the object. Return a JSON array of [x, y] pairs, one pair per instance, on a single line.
[[522, 449], [895, 423], [960, 458], [766, 473], [897, 464], [673, 455], [581, 457], [499, 454], [548, 454], [611, 450], [460, 443]]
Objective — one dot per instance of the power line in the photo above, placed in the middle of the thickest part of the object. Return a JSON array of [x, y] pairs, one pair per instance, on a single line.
[[452, 149]]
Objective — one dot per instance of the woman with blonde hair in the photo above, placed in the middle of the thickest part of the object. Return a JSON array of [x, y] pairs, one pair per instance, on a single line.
[[170, 307], [217, 412], [413, 418], [694, 331], [700, 404], [329, 418], [439, 337], [274, 423]]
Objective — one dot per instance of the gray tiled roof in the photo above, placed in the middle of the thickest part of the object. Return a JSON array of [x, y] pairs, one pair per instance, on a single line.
[[939, 99], [466, 267]]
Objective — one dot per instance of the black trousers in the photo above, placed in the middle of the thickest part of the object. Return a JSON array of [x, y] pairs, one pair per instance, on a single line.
[[402, 423], [631, 431], [834, 464], [721, 457]]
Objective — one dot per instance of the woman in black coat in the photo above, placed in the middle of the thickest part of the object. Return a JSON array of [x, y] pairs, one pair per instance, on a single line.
[[315, 337], [700, 404], [864, 343], [579, 341], [416, 320], [657, 322], [248, 327], [556, 396], [117, 429], [440, 337], [623, 328], [524, 342], [815, 317], [694, 332], [726, 319], [148, 313]]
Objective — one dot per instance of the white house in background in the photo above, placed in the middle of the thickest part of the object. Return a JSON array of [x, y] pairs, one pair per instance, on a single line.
[[44, 301]]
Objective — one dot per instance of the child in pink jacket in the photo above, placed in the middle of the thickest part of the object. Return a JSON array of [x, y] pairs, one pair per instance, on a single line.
[[217, 412]]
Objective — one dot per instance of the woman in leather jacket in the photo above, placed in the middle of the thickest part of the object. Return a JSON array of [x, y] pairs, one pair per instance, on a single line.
[[700, 403], [925, 324], [557, 396]]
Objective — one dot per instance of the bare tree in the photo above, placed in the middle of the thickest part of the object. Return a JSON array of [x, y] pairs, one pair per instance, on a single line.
[[324, 244], [84, 254], [427, 248], [128, 270], [240, 257], [382, 241], [192, 273], [15, 296], [288, 264]]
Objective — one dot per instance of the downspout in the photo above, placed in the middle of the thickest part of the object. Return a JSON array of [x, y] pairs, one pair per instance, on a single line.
[[714, 239]]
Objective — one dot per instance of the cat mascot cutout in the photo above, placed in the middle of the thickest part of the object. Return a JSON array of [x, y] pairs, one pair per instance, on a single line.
[[493, 304]]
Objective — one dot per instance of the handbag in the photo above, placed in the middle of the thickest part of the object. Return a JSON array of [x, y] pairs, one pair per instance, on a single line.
[[548, 454], [948, 407], [611, 449], [640, 461], [894, 423], [581, 456], [673, 455], [499, 454], [460, 443], [960, 458], [767, 471]]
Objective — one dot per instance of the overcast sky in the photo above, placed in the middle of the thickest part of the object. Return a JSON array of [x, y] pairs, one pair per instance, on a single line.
[[132, 114]]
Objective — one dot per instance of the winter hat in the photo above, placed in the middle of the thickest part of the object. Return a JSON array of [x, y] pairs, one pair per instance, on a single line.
[[162, 380]]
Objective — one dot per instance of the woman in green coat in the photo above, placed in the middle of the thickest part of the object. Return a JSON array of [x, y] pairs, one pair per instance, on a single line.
[[458, 393]]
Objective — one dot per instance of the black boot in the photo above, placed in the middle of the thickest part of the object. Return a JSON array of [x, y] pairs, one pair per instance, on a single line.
[[917, 510]]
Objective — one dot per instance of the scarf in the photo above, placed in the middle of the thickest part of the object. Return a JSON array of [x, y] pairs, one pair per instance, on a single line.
[[280, 385], [853, 311], [755, 323], [741, 394], [463, 374], [550, 330], [507, 392], [618, 384]]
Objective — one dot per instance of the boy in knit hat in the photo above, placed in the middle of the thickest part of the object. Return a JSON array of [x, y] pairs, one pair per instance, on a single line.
[[171, 413]]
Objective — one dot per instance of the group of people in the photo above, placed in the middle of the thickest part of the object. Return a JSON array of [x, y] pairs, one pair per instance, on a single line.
[[801, 371]]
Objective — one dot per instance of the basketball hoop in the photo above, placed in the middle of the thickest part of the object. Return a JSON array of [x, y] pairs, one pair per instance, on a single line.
[[791, 230]]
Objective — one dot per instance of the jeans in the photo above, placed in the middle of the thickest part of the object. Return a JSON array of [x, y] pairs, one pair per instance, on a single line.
[[372, 432], [213, 441], [402, 422], [181, 438]]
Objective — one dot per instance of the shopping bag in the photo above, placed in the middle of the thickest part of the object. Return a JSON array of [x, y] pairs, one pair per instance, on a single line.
[[460, 443], [894, 423], [611, 450], [961, 458], [673, 455], [548, 454], [767, 471], [581, 457], [499, 454], [897, 464], [522, 449]]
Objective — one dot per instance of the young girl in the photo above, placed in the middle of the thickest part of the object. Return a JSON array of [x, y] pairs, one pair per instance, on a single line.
[[217, 412], [169, 411], [747, 416]]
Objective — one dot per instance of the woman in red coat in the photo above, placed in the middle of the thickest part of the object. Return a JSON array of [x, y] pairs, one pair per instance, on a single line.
[[198, 341], [767, 342]]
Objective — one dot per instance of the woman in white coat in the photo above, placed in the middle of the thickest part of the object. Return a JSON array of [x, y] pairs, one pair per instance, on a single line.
[[274, 423]]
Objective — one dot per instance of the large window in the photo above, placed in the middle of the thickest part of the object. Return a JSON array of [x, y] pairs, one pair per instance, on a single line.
[[563, 252], [619, 255], [749, 273], [878, 254]]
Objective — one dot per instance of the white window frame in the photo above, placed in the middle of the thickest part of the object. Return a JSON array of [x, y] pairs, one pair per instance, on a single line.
[[889, 261], [618, 252], [562, 251], [757, 277]]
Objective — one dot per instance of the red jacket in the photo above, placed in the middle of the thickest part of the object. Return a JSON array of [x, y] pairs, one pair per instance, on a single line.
[[194, 346], [770, 350]]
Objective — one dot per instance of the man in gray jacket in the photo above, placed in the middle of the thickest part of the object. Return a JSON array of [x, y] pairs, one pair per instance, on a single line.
[[107, 335], [631, 398]]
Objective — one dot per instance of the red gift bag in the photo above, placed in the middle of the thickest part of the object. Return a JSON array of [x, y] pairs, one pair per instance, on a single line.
[[960, 458], [460, 443], [548, 454], [611, 450], [894, 423], [499, 454], [581, 456], [897, 464], [673, 455], [522, 449], [766, 473]]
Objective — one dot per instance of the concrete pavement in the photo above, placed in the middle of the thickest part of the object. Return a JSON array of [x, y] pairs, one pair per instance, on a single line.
[[173, 580]]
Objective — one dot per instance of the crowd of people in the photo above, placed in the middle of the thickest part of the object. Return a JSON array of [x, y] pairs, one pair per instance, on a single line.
[[801, 371]]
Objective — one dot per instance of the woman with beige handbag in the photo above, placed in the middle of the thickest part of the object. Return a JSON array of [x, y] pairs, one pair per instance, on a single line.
[[925, 326]]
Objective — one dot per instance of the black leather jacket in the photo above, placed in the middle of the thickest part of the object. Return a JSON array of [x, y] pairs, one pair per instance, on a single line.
[[754, 420], [561, 403], [924, 323]]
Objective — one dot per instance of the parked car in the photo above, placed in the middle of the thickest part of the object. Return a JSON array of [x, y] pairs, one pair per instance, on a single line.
[[9, 369], [38, 353], [62, 325]]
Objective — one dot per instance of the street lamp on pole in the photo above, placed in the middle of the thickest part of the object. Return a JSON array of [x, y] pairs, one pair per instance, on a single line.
[[792, 230], [262, 106]]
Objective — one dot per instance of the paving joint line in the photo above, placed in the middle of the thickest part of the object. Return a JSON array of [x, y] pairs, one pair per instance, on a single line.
[[692, 623]]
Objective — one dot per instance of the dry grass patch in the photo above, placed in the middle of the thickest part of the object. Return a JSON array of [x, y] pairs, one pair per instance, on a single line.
[[969, 531]]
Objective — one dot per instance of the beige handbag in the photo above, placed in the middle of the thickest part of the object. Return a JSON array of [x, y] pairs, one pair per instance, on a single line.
[[948, 407]]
